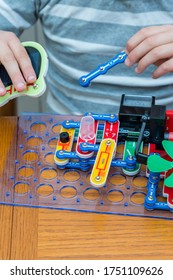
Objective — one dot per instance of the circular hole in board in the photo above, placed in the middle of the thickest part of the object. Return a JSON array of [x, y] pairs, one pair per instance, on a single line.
[[140, 181], [21, 187], [138, 198], [88, 177], [56, 128], [117, 179], [48, 173], [26, 171], [38, 126], [30, 156], [49, 158], [34, 141], [53, 142], [91, 194], [45, 189], [71, 175], [68, 192], [115, 196]]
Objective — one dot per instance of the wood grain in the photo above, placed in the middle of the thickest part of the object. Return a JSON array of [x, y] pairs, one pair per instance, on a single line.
[[7, 131], [9, 109], [73, 235], [6, 214], [24, 234]]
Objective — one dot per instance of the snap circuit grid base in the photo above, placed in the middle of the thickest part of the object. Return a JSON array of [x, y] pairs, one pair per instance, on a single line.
[[31, 177]]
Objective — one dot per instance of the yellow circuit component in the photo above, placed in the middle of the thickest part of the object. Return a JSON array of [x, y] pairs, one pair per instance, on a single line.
[[102, 163], [64, 146]]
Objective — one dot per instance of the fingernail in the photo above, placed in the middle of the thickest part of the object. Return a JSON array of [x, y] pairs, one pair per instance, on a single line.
[[2, 91], [137, 70], [154, 77], [31, 78], [128, 62], [21, 86]]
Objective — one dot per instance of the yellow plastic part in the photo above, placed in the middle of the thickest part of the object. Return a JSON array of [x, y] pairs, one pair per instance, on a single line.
[[64, 146], [102, 163]]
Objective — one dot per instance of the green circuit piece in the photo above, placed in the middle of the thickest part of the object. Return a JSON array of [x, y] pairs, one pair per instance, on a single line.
[[129, 150], [39, 62]]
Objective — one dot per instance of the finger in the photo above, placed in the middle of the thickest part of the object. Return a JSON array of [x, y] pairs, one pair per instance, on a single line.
[[147, 45], [23, 60], [159, 62], [2, 89], [9, 61], [144, 33], [163, 69], [158, 54]]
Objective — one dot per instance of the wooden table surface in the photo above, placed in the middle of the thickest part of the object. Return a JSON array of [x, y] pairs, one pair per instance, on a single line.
[[28, 233]]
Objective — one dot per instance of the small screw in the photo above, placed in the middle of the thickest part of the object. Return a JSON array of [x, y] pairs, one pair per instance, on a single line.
[[84, 144], [35, 86], [150, 197], [130, 157], [108, 142], [97, 178]]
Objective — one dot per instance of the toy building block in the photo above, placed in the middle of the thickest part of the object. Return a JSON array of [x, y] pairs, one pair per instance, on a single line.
[[102, 69], [64, 143], [105, 154], [102, 163], [168, 190], [157, 164], [87, 133], [129, 152]]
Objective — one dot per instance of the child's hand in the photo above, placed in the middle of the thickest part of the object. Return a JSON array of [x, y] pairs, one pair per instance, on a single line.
[[152, 45], [15, 59]]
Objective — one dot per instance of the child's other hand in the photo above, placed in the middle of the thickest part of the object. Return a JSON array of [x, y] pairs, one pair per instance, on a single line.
[[151, 45]]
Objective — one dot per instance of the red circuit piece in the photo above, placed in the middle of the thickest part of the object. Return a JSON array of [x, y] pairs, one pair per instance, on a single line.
[[111, 130], [89, 137], [167, 191]]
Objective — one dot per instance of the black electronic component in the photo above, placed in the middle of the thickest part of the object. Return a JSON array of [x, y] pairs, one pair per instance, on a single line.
[[132, 111], [157, 125], [64, 137], [133, 108], [140, 114]]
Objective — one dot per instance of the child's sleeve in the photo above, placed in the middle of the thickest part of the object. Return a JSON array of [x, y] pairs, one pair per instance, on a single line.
[[17, 15]]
